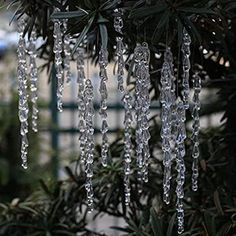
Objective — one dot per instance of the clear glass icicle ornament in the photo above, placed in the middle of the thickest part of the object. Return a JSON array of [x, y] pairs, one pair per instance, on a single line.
[[118, 25], [168, 120], [180, 165], [195, 129], [103, 62], [58, 49], [81, 102], [33, 78], [89, 140], [22, 90], [186, 67], [67, 52], [127, 100], [142, 103]]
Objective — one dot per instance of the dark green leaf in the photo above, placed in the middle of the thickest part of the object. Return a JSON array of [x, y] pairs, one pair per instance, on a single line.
[[196, 10], [147, 11], [171, 225], [156, 224], [83, 33], [103, 34], [68, 14]]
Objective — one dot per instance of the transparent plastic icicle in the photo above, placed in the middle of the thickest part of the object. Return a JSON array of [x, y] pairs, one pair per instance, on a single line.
[[118, 25], [67, 52], [22, 89], [33, 79], [127, 100], [89, 147], [103, 62], [142, 103], [186, 67], [195, 129], [58, 49], [168, 120], [180, 165], [81, 101]]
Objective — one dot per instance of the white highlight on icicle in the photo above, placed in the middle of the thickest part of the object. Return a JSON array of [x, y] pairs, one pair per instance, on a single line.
[[142, 103], [103, 62], [67, 52], [33, 78], [58, 49], [127, 100], [168, 120], [195, 129], [118, 25], [186, 67], [180, 165], [22, 89]]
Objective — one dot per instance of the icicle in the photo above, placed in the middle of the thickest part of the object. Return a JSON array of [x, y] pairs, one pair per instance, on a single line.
[[118, 25], [196, 128], [186, 67], [57, 49], [33, 79], [142, 103], [22, 89], [89, 148], [180, 165], [81, 101], [103, 62], [168, 119], [127, 100], [67, 52]]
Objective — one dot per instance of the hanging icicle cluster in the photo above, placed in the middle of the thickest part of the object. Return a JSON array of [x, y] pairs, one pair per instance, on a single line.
[[127, 100], [142, 103], [58, 50], [22, 89], [196, 128], [173, 130], [118, 25], [173, 110], [103, 62]]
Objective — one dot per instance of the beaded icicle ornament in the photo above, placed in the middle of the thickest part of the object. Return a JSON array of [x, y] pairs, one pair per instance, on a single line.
[[142, 103], [23, 107], [103, 62]]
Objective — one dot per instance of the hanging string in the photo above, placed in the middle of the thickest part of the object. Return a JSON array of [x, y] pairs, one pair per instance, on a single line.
[[195, 129], [33, 78], [22, 90], [186, 67], [142, 103], [118, 25], [103, 62], [127, 100], [90, 146], [58, 49]]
